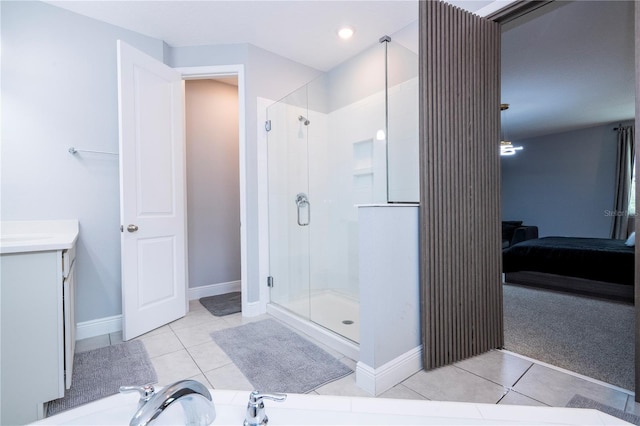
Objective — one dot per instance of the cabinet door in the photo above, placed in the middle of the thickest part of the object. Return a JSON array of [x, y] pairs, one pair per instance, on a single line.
[[32, 334], [69, 324]]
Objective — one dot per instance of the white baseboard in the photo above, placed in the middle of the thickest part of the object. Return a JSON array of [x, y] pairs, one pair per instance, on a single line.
[[253, 309], [98, 327], [378, 380], [213, 289]]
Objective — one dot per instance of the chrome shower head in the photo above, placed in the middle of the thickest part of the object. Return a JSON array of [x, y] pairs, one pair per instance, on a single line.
[[304, 120]]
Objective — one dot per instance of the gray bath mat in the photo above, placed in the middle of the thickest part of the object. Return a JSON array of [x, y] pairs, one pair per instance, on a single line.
[[275, 359], [100, 372], [223, 304], [579, 401]]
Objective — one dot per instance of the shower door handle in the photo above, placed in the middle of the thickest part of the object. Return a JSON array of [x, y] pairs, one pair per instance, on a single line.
[[302, 201]]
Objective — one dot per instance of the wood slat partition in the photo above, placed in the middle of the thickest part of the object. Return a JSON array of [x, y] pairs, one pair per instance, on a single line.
[[460, 259], [637, 222]]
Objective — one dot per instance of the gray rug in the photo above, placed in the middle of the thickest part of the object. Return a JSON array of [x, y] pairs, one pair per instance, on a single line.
[[223, 304], [579, 401], [100, 372], [275, 359], [588, 336]]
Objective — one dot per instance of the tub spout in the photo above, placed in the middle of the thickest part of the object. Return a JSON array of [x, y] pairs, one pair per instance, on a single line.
[[194, 396]]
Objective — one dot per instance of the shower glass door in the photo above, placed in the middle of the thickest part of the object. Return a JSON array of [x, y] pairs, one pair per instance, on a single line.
[[326, 154], [289, 204]]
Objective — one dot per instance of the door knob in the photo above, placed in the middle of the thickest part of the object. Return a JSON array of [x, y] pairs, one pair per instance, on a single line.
[[132, 228]]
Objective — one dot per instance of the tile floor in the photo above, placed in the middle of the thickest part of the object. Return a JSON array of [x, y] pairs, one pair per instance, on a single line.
[[184, 349]]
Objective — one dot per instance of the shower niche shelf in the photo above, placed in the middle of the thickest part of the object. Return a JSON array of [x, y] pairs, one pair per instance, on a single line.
[[362, 170], [363, 157]]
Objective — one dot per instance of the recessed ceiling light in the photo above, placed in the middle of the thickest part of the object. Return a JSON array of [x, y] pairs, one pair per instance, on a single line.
[[345, 33]]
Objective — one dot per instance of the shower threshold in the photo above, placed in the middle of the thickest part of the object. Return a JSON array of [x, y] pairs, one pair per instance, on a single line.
[[325, 336]]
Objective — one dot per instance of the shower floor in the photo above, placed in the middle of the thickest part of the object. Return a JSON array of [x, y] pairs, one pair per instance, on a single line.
[[330, 309]]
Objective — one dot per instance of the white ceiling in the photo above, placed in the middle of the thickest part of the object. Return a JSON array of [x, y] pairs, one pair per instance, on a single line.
[[572, 67], [569, 68], [305, 31]]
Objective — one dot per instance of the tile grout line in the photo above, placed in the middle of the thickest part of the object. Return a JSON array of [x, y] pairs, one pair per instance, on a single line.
[[628, 405], [631, 401], [522, 375], [196, 362], [527, 396], [507, 390], [482, 377], [191, 356], [411, 390], [569, 372]]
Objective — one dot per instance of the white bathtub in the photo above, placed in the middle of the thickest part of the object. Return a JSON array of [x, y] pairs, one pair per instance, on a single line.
[[337, 410]]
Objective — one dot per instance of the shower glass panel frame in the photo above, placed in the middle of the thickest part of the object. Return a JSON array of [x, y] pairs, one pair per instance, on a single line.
[[402, 125], [288, 176]]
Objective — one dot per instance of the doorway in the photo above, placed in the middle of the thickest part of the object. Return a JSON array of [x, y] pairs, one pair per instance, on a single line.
[[152, 153], [566, 34], [213, 189], [229, 75]]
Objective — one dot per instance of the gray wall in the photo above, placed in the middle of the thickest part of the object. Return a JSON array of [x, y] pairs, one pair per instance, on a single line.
[[59, 89], [213, 188], [563, 183], [359, 77], [269, 76]]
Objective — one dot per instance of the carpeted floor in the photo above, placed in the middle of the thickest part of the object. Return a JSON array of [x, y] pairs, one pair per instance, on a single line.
[[276, 359], [100, 372], [588, 336]]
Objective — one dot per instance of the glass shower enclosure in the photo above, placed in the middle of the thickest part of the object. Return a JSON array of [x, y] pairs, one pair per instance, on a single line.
[[328, 152]]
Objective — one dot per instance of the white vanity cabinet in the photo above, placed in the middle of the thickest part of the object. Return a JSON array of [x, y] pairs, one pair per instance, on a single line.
[[37, 320]]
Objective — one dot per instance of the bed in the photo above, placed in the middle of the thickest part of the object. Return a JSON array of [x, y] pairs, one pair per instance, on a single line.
[[599, 267]]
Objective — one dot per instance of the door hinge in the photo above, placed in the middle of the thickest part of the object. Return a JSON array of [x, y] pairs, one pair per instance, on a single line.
[[269, 281], [267, 125]]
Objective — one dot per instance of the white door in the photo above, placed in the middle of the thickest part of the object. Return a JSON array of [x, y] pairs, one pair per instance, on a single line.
[[152, 192]]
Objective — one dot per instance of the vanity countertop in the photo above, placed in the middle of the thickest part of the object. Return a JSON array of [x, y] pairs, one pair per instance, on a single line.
[[22, 236]]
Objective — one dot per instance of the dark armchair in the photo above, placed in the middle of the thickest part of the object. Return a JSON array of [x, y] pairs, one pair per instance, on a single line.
[[514, 231]]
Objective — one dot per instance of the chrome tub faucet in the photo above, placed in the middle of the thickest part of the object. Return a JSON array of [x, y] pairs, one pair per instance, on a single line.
[[256, 415], [194, 397]]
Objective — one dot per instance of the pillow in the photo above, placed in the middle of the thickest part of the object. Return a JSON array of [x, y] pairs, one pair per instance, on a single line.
[[508, 231], [631, 241], [512, 222]]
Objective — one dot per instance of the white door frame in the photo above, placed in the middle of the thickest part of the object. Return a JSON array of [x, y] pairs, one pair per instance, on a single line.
[[207, 72]]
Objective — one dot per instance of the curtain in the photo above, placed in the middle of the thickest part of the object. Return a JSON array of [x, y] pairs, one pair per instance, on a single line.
[[624, 174]]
